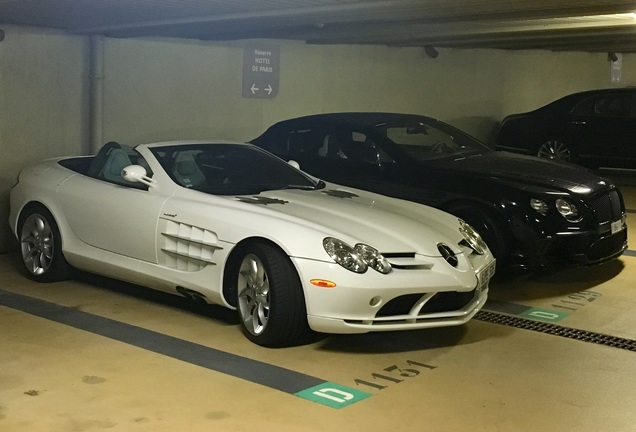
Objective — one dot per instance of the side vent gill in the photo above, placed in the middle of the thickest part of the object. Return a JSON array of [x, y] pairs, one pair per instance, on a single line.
[[187, 247]]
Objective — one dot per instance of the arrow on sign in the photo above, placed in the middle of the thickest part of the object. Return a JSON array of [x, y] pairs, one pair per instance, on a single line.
[[268, 89], [254, 89]]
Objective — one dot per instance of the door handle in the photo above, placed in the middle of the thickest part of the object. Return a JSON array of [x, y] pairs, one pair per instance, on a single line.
[[579, 122]]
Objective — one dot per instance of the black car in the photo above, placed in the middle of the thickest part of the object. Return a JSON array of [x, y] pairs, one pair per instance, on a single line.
[[594, 128], [532, 212]]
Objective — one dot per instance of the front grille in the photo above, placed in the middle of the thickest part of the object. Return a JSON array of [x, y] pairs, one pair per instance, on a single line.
[[608, 246], [440, 302], [608, 207], [448, 301]]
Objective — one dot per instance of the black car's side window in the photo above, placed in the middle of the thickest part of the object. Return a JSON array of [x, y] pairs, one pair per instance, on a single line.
[[613, 105], [316, 144], [334, 144], [301, 144], [354, 146], [364, 148], [617, 106], [322, 144]]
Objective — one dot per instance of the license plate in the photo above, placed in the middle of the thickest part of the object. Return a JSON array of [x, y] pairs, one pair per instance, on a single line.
[[617, 226], [486, 274]]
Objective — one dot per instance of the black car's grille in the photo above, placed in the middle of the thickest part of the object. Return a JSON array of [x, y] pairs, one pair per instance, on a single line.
[[608, 207], [440, 302], [608, 246]]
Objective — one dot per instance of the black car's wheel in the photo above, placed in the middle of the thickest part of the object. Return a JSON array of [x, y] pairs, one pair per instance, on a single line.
[[556, 150], [270, 299], [41, 246]]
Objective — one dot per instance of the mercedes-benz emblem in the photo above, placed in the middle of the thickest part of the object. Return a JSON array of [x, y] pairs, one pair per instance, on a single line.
[[448, 254]]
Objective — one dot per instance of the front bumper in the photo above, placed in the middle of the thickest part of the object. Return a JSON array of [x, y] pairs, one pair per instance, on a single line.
[[550, 241], [435, 295], [571, 249]]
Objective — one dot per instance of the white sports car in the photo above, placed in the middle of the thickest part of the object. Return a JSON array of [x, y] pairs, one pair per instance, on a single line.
[[230, 224]]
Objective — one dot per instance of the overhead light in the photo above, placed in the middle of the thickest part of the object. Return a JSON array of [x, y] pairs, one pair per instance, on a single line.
[[628, 15], [431, 52]]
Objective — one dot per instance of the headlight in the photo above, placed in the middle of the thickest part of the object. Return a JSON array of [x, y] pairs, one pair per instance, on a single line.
[[356, 259], [472, 237], [344, 255], [567, 210], [373, 258], [539, 206]]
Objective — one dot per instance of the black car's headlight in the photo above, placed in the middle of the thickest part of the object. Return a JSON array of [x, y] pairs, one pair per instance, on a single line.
[[568, 210], [472, 237], [356, 259], [539, 206], [565, 208]]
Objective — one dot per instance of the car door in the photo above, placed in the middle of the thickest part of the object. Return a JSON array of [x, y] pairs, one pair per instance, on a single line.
[[603, 127], [113, 215]]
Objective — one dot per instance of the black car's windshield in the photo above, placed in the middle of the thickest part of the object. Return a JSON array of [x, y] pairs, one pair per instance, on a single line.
[[229, 169], [423, 140]]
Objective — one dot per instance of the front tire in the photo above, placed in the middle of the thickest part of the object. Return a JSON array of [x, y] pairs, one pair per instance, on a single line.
[[270, 299], [41, 246]]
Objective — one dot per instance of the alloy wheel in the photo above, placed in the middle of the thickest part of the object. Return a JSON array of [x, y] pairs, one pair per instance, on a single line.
[[555, 150], [253, 297], [37, 243]]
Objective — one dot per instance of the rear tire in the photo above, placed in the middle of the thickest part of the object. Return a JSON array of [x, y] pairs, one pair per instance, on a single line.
[[270, 298], [41, 246], [555, 150]]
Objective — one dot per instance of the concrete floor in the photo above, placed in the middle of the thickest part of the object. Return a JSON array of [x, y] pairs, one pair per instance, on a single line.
[[95, 354]]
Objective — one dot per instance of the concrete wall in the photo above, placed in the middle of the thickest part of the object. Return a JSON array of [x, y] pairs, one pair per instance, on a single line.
[[170, 89], [161, 89], [44, 105]]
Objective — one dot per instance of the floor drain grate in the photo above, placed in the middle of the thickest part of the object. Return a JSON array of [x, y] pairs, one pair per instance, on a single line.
[[549, 328]]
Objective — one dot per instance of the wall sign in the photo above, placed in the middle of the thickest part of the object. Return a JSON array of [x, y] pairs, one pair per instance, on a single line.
[[616, 65], [261, 65]]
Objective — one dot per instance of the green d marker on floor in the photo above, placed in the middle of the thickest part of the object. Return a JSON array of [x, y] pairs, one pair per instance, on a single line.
[[333, 395], [544, 315]]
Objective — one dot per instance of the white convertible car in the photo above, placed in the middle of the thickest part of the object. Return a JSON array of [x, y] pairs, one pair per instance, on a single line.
[[230, 224]]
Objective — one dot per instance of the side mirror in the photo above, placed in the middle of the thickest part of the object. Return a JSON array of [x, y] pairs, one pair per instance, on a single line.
[[294, 164], [137, 174]]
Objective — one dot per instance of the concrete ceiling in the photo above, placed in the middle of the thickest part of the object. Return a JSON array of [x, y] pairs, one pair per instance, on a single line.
[[571, 25]]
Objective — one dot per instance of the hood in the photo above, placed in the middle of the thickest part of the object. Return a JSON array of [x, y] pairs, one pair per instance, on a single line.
[[531, 170], [389, 225]]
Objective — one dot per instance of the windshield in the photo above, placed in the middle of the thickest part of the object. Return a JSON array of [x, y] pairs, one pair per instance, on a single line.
[[426, 140], [229, 169]]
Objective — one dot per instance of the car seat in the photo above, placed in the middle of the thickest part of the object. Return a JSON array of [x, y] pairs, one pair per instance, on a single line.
[[116, 162], [186, 171]]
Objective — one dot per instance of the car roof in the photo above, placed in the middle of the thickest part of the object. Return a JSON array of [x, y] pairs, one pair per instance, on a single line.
[[575, 98], [188, 142], [607, 90], [350, 118]]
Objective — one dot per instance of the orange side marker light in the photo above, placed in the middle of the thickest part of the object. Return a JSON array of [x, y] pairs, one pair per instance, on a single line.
[[323, 283]]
